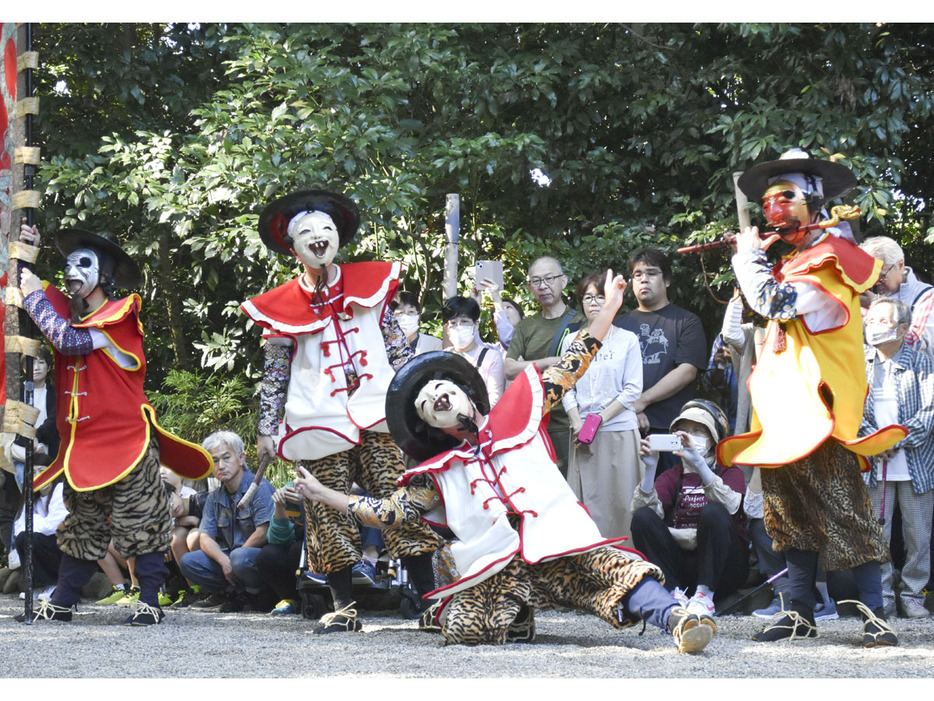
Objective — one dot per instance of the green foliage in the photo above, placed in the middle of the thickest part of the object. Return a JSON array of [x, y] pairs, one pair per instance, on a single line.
[[175, 137]]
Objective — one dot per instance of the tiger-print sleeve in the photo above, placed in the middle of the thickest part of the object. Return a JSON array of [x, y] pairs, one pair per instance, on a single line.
[[406, 505], [562, 376]]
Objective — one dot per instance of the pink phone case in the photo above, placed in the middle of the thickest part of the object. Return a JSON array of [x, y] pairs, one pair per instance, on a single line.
[[589, 429]]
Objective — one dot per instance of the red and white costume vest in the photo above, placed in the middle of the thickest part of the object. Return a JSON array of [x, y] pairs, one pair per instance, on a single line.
[[514, 474], [103, 415], [320, 419]]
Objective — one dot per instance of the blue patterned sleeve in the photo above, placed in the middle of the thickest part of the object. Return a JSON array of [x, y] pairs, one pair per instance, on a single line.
[[66, 338], [764, 293]]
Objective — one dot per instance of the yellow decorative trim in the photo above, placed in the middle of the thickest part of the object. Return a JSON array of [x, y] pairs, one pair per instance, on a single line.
[[27, 59], [27, 154], [14, 297], [23, 345], [23, 251], [28, 105], [26, 199]]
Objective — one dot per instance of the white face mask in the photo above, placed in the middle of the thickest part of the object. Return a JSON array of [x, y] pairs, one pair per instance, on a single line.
[[702, 442], [441, 402], [82, 272], [315, 239], [462, 337], [880, 335], [408, 323]]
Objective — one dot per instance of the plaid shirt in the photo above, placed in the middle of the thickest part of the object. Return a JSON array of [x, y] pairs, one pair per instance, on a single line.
[[913, 373]]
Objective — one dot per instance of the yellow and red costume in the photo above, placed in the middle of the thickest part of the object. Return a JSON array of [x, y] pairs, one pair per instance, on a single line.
[[104, 418]]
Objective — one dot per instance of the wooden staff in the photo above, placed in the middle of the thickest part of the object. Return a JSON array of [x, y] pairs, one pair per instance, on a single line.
[[247, 497], [19, 417]]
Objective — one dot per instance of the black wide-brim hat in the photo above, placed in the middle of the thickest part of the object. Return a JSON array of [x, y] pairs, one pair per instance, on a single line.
[[274, 219], [127, 274], [836, 178], [415, 437]]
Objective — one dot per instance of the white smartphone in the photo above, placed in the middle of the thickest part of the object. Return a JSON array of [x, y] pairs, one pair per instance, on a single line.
[[664, 442], [489, 269]]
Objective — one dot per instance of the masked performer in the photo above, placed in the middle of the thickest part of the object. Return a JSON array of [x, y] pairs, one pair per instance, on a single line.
[[523, 541], [331, 349], [111, 445], [808, 390]]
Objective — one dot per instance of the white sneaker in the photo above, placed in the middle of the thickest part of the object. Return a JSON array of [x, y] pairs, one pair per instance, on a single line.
[[680, 596], [914, 608], [701, 604], [39, 595]]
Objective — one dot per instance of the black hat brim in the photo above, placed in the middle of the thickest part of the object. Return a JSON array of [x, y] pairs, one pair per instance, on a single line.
[[416, 438], [274, 219], [127, 274], [836, 179]]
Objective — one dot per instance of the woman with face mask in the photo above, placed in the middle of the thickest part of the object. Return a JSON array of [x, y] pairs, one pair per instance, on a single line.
[[407, 313], [689, 520], [461, 316]]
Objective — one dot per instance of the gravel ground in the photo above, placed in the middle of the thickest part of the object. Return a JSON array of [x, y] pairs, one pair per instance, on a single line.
[[205, 644]]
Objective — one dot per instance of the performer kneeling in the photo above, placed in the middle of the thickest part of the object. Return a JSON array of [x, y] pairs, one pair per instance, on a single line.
[[523, 541]]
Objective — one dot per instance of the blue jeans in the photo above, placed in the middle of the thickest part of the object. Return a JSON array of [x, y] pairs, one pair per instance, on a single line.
[[199, 569]]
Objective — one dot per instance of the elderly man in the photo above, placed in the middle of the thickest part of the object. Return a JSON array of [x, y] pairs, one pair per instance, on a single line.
[[807, 391], [901, 382], [332, 346], [899, 281], [537, 340], [231, 538]]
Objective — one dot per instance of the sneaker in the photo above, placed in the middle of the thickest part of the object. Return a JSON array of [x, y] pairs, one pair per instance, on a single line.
[[773, 608], [314, 579], [364, 572], [691, 632], [186, 597], [165, 599], [115, 596], [680, 596], [145, 615], [286, 607], [826, 611], [701, 604], [129, 598], [234, 604], [47, 611], [213, 600], [914, 608]]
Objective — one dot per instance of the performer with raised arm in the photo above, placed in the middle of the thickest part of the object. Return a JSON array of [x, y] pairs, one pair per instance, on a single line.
[[808, 390], [111, 445], [523, 541], [332, 346]]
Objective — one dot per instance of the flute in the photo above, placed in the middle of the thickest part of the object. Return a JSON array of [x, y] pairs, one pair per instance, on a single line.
[[837, 213]]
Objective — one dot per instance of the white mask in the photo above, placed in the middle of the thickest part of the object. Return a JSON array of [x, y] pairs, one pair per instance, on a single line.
[[701, 442], [82, 272], [880, 335], [462, 336], [441, 402], [408, 323], [315, 238]]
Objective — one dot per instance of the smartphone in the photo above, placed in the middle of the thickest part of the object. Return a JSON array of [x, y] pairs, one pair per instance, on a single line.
[[589, 429], [665, 442], [489, 269]]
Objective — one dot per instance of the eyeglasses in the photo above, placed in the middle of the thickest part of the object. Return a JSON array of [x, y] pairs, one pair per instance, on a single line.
[[644, 274], [885, 272], [590, 299], [547, 280], [459, 323]]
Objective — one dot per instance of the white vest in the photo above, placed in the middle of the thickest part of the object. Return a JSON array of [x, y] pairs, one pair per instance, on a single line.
[[514, 474]]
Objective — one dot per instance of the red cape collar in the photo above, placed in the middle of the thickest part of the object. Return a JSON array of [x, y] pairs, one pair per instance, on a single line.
[[513, 422], [289, 307], [858, 269]]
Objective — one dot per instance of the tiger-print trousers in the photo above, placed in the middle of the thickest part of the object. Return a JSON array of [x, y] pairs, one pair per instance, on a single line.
[[821, 504], [594, 581], [134, 512], [333, 539]]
